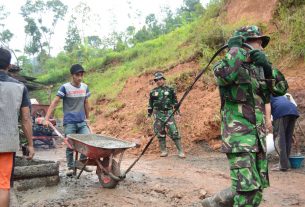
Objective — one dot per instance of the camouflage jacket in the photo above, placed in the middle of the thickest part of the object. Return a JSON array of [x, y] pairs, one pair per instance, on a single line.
[[244, 92], [162, 98]]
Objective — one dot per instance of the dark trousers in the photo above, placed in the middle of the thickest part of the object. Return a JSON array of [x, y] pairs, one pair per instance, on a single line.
[[283, 130]]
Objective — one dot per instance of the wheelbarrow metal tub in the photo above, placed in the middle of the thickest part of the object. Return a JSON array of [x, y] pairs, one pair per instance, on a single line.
[[95, 147]]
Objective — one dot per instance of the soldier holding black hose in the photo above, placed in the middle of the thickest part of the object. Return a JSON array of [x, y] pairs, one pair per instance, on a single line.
[[246, 79]]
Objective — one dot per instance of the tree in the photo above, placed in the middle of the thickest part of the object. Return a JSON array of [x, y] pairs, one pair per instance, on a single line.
[[94, 41], [130, 32], [154, 29], [5, 34], [170, 22], [190, 10], [73, 39], [142, 35], [39, 29], [116, 41], [83, 18]]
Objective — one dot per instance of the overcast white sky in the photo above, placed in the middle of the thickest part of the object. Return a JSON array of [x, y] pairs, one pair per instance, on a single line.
[[109, 12]]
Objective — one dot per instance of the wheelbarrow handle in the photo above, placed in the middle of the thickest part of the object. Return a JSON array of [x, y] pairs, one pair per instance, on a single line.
[[60, 135]]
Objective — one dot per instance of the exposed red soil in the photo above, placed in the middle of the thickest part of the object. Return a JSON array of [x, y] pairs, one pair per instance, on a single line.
[[250, 10], [199, 118], [199, 112]]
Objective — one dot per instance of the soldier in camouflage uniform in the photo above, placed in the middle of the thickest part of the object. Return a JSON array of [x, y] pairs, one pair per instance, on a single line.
[[246, 79], [162, 101]]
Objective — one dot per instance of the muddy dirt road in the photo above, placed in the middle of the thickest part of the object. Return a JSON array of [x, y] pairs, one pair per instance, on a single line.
[[156, 181]]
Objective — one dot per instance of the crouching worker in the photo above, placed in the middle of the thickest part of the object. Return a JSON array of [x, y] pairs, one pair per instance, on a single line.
[[162, 101], [246, 79], [75, 96]]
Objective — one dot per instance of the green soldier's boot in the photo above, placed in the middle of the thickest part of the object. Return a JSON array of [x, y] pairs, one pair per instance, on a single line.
[[162, 143], [179, 148]]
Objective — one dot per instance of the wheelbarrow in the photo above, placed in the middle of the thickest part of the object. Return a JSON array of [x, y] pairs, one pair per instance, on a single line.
[[100, 151]]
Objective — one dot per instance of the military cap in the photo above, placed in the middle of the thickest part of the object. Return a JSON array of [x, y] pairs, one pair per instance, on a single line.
[[159, 75], [252, 32]]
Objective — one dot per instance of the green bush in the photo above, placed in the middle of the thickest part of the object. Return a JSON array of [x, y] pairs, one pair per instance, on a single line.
[[289, 37]]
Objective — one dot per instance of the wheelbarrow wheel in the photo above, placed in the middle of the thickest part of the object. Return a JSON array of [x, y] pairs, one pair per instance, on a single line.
[[105, 180]]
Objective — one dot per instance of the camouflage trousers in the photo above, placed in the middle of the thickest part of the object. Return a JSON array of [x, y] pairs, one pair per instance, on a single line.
[[249, 176], [170, 127]]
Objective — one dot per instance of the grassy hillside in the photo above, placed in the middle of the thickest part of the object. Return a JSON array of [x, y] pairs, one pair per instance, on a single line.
[[108, 70]]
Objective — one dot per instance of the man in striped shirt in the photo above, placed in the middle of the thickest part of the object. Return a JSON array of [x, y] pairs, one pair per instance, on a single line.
[[75, 96]]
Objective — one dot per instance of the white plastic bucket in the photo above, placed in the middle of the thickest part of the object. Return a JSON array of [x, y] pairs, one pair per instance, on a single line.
[[269, 143]]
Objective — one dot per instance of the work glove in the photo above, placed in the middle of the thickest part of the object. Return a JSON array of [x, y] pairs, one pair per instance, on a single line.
[[259, 59], [236, 41]]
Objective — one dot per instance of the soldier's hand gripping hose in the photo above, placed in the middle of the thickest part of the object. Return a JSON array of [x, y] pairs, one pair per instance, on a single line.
[[259, 59]]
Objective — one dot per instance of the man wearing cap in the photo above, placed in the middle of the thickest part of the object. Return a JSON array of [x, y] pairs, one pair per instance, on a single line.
[[75, 96], [14, 102], [162, 101], [246, 79]]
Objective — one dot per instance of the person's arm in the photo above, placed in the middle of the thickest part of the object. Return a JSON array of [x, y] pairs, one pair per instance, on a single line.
[[277, 84], [228, 71], [51, 109], [86, 105], [26, 123], [87, 108], [268, 117], [175, 101], [150, 105]]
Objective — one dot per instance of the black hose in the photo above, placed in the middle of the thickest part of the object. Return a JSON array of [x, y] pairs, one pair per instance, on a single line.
[[180, 102]]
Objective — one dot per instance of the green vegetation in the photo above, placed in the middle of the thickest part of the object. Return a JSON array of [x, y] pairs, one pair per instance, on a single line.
[[289, 39], [108, 69], [112, 107]]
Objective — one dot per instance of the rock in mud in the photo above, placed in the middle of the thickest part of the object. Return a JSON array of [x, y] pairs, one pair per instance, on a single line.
[[203, 194]]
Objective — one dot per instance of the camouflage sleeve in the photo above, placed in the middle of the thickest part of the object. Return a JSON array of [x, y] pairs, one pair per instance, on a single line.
[[278, 84], [228, 71], [174, 101], [150, 104], [174, 97]]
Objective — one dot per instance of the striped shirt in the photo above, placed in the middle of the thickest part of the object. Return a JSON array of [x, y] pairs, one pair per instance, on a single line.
[[73, 102]]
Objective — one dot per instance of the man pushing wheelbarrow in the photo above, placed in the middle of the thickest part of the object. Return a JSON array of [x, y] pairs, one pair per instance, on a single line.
[[75, 96], [95, 150]]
